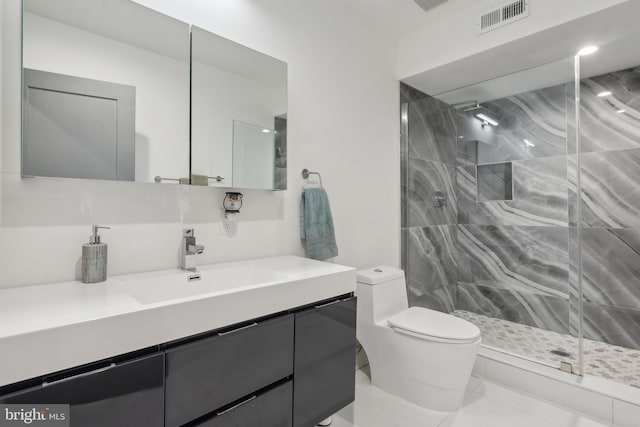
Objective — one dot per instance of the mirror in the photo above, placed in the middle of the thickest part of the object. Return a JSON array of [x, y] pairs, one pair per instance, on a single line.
[[239, 106], [104, 96]]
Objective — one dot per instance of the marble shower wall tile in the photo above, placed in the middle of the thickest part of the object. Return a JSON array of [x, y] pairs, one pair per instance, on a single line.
[[432, 132], [570, 91], [610, 190], [280, 142], [550, 313], [610, 284], [611, 266], [612, 325], [540, 196], [494, 182], [602, 127], [430, 261], [424, 179], [520, 259], [442, 299], [404, 190], [540, 189], [409, 94], [429, 253], [574, 289], [540, 117]]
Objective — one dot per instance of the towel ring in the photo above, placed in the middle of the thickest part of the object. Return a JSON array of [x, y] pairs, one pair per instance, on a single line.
[[306, 172]]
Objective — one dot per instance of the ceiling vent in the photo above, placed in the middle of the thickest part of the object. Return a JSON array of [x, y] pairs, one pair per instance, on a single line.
[[502, 15]]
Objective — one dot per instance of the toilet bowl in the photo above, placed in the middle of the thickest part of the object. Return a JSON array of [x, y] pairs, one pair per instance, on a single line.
[[420, 355]]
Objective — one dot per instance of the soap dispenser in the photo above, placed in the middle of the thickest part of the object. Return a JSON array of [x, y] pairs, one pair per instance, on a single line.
[[94, 258]]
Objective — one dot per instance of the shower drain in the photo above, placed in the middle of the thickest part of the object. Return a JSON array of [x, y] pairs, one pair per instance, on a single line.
[[561, 353]]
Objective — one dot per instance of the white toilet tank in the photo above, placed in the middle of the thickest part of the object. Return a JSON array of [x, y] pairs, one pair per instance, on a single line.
[[381, 292]]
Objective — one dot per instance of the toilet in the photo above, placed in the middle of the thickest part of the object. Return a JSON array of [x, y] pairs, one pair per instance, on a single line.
[[420, 355]]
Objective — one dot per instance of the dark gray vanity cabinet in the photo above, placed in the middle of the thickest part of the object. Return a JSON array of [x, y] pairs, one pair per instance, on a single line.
[[272, 408], [324, 372], [293, 368], [207, 374], [123, 394]]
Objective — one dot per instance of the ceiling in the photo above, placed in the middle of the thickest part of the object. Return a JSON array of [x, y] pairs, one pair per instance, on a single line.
[[397, 18], [614, 29]]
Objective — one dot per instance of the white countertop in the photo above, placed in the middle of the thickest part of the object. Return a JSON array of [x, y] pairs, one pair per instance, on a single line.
[[47, 328]]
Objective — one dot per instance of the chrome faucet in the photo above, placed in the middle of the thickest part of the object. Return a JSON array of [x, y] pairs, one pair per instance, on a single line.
[[190, 250]]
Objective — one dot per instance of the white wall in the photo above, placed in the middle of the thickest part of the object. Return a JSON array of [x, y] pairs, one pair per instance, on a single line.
[[162, 127], [2, 85], [343, 122]]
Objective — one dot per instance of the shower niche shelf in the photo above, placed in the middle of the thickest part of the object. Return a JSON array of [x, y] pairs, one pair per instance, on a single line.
[[494, 182]]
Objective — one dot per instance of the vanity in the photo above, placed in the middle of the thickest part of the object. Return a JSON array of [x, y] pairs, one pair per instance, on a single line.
[[268, 342]]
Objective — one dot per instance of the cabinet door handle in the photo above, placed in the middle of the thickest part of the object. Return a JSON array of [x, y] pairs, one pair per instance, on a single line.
[[237, 406], [327, 303], [74, 377], [238, 329]]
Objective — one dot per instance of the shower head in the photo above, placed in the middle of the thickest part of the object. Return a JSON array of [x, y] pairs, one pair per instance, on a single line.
[[475, 107], [467, 106]]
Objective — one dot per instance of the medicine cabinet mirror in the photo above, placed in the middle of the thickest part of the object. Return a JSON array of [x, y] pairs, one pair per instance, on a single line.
[[239, 107], [106, 95], [103, 96]]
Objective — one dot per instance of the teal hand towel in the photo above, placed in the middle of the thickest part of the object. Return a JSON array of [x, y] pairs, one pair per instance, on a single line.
[[316, 224]]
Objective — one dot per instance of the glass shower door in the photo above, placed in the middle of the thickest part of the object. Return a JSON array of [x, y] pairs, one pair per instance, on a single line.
[[514, 141], [521, 212], [608, 220]]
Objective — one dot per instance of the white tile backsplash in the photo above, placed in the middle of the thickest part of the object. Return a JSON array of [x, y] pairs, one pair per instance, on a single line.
[[45, 202], [27, 254]]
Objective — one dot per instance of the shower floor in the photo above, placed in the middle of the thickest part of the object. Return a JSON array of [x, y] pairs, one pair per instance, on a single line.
[[604, 360]]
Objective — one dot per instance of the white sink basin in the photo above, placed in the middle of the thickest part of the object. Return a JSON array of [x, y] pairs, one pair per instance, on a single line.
[[85, 323], [211, 281]]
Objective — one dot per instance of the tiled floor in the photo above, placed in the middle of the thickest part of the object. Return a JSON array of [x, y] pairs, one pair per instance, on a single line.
[[485, 405], [608, 361]]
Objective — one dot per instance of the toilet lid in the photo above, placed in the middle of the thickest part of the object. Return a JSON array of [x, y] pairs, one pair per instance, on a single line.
[[430, 323]]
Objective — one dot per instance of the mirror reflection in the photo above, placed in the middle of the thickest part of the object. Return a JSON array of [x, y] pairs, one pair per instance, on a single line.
[[104, 97], [239, 103]]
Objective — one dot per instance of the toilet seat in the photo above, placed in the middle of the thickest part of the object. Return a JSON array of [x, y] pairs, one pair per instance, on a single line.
[[433, 325]]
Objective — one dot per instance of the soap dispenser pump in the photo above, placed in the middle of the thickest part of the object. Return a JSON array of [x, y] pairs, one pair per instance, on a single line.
[[94, 258]]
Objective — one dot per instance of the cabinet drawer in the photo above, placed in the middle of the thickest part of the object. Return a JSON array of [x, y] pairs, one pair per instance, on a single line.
[[128, 394], [205, 375], [270, 409], [325, 349]]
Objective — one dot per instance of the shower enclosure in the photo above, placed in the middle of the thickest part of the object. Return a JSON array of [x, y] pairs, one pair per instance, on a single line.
[[521, 213]]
